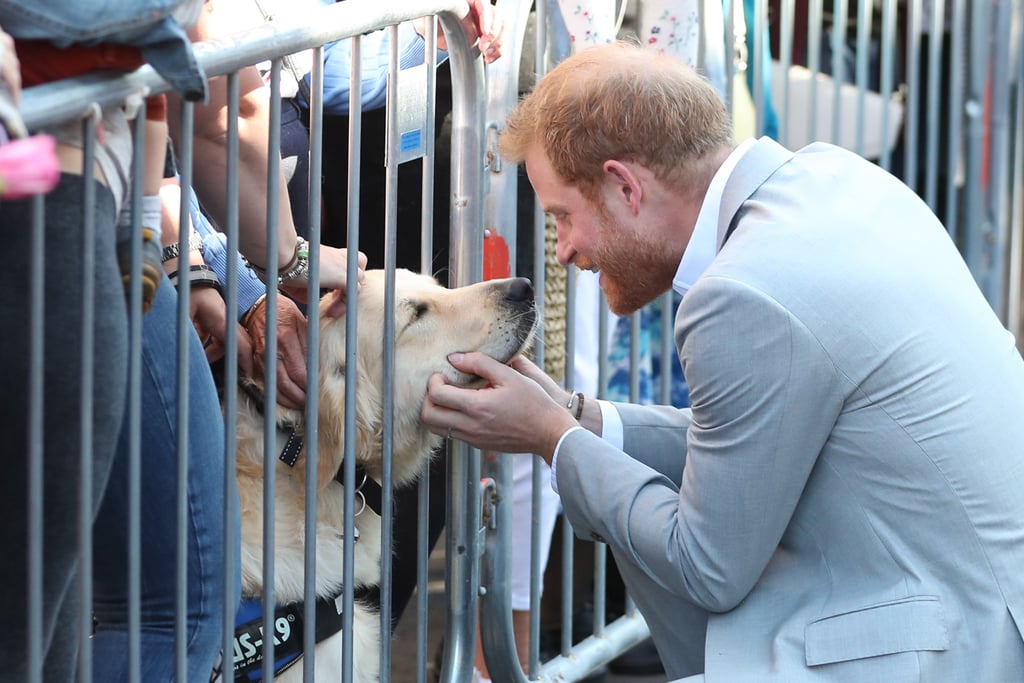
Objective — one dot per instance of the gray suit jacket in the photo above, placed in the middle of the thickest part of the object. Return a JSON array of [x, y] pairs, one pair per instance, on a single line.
[[845, 499]]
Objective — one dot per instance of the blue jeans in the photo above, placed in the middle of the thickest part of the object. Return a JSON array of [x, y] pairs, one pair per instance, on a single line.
[[205, 515]]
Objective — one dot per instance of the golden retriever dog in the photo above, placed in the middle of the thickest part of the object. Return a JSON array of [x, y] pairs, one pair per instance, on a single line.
[[496, 317]]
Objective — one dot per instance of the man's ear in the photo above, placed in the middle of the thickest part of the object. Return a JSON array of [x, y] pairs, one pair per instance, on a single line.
[[625, 184]]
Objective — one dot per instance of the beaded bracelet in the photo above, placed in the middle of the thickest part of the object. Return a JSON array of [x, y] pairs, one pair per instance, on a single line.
[[296, 269], [300, 269]]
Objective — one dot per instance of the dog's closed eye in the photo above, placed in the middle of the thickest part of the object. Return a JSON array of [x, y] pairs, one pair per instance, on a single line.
[[414, 312]]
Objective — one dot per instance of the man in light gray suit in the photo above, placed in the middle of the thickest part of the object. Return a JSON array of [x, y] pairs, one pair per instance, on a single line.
[[844, 501]]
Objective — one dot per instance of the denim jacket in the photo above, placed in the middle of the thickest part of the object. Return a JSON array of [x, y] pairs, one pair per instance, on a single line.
[[155, 27]]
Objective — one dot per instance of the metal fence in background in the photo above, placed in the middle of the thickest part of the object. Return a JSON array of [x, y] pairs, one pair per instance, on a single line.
[[932, 91]]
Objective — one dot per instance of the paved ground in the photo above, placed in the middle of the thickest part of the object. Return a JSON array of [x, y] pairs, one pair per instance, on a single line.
[[404, 661]]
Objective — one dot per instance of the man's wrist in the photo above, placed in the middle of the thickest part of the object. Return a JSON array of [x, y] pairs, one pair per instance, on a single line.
[[575, 404], [244, 320]]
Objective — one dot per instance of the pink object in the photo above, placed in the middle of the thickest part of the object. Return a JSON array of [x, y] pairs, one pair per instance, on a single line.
[[28, 167]]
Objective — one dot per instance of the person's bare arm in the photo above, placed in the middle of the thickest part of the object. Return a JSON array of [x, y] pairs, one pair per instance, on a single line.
[[219, 18]]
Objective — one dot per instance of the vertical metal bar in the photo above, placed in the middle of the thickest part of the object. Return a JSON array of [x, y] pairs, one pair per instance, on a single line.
[[634, 395], [36, 367], [462, 543], [954, 137], [729, 20], [540, 281], [270, 378], [839, 10], [786, 19], [312, 424], [977, 222], [351, 351], [886, 83], [864, 15], [537, 481], [757, 63], [1016, 181], [571, 304], [913, 79], [603, 379], [231, 531], [184, 329], [814, 19], [999, 146], [426, 266], [85, 497], [568, 565], [540, 223], [134, 416], [668, 348], [422, 575], [388, 441], [934, 76], [427, 195], [702, 35], [600, 618], [634, 357]]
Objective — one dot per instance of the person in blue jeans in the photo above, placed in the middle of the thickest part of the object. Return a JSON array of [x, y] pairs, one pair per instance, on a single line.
[[205, 513]]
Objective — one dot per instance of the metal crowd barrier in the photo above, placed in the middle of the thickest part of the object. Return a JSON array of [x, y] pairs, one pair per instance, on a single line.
[[963, 149], [81, 99]]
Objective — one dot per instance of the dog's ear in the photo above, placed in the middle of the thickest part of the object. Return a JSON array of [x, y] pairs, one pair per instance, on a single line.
[[332, 423], [331, 450], [335, 305]]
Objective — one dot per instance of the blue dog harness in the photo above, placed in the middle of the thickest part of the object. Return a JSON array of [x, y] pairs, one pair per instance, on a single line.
[[289, 626], [289, 620], [248, 645]]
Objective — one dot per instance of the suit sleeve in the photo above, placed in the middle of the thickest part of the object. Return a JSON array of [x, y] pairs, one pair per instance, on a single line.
[[764, 398], [655, 436]]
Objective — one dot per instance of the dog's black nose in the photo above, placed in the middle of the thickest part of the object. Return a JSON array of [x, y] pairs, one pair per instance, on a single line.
[[519, 289]]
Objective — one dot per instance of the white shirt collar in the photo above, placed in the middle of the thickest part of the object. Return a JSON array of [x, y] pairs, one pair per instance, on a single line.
[[701, 249]]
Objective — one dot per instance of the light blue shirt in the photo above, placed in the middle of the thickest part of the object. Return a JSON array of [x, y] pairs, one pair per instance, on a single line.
[[375, 50], [699, 253], [215, 254]]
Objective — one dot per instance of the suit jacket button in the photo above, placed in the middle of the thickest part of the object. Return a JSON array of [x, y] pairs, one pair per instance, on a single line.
[[597, 537]]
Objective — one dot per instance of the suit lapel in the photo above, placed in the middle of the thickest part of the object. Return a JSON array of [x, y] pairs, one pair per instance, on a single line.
[[756, 166]]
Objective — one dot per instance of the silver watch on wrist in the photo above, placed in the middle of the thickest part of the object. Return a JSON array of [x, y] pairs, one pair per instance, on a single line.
[[171, 251]]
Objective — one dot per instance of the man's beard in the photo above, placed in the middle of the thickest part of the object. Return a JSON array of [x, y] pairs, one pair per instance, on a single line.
[[634, 270]]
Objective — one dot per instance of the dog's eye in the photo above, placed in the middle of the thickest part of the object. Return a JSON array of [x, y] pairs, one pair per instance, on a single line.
[[419, 310]]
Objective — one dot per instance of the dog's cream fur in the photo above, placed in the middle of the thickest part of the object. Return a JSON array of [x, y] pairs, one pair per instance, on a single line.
[[431, 322]]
